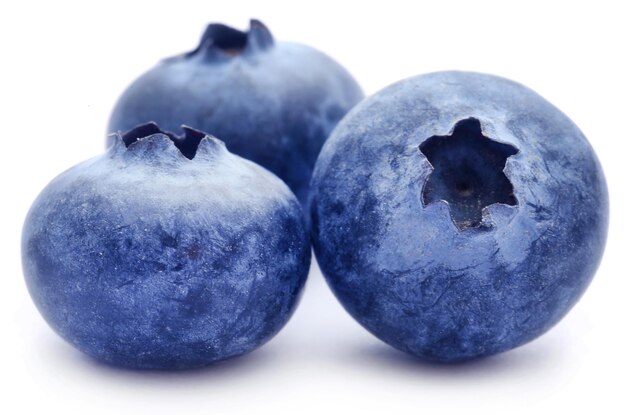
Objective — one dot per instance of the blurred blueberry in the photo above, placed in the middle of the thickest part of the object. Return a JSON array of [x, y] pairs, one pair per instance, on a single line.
[[274, 103]]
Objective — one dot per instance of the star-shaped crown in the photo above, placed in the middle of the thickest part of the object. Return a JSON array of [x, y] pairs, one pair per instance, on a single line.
[[468, 172]]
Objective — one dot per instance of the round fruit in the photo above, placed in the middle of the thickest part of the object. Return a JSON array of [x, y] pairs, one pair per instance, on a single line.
[[457, 215], [165, 252], [274, 103]]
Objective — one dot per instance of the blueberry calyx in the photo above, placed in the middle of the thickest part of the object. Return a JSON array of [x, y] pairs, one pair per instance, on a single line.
[[222, 43], [150, 138], [467, 173]]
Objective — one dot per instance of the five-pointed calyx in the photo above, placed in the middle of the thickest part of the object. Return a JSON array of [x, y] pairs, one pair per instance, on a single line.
[[468, 172]]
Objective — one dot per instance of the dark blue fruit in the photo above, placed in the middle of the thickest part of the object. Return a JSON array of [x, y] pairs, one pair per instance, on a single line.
[[271, 102], [457, 215], [165, 252]]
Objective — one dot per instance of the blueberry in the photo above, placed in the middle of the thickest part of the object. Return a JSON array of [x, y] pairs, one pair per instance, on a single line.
[[271, 102], [456, 215], [166, 252]]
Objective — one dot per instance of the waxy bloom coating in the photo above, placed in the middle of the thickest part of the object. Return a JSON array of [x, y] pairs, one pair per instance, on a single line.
[[165, 252], [457, 215]]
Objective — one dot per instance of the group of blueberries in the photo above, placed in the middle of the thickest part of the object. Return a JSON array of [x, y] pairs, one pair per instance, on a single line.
[[454, 215]]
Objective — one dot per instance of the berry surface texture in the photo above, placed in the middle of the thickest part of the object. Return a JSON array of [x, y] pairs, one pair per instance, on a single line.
[[457, 215], [165, 252]]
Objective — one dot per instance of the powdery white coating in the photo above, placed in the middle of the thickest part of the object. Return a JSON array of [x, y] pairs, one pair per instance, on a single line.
[[274, 103], [404, 271], [144, 258]]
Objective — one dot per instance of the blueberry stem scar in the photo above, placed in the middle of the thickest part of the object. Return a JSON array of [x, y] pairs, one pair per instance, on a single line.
[[187, 143], [468, 172], [227, 42]]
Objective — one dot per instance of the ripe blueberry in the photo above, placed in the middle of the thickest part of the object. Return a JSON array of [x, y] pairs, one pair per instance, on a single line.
[[457, 215], [165, 252], [274, 103]]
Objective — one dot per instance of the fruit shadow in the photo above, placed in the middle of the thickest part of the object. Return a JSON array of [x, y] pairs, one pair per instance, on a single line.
[[535, 357], [229, 370]]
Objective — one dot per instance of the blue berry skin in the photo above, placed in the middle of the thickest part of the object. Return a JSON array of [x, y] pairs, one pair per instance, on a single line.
[[457, 215], [274, 103], [144, 258]]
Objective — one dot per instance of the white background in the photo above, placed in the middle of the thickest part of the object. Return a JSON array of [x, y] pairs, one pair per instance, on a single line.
[[63, 66]]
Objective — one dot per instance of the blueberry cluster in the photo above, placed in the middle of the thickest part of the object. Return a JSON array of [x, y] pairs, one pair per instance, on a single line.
[[454, 215]]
